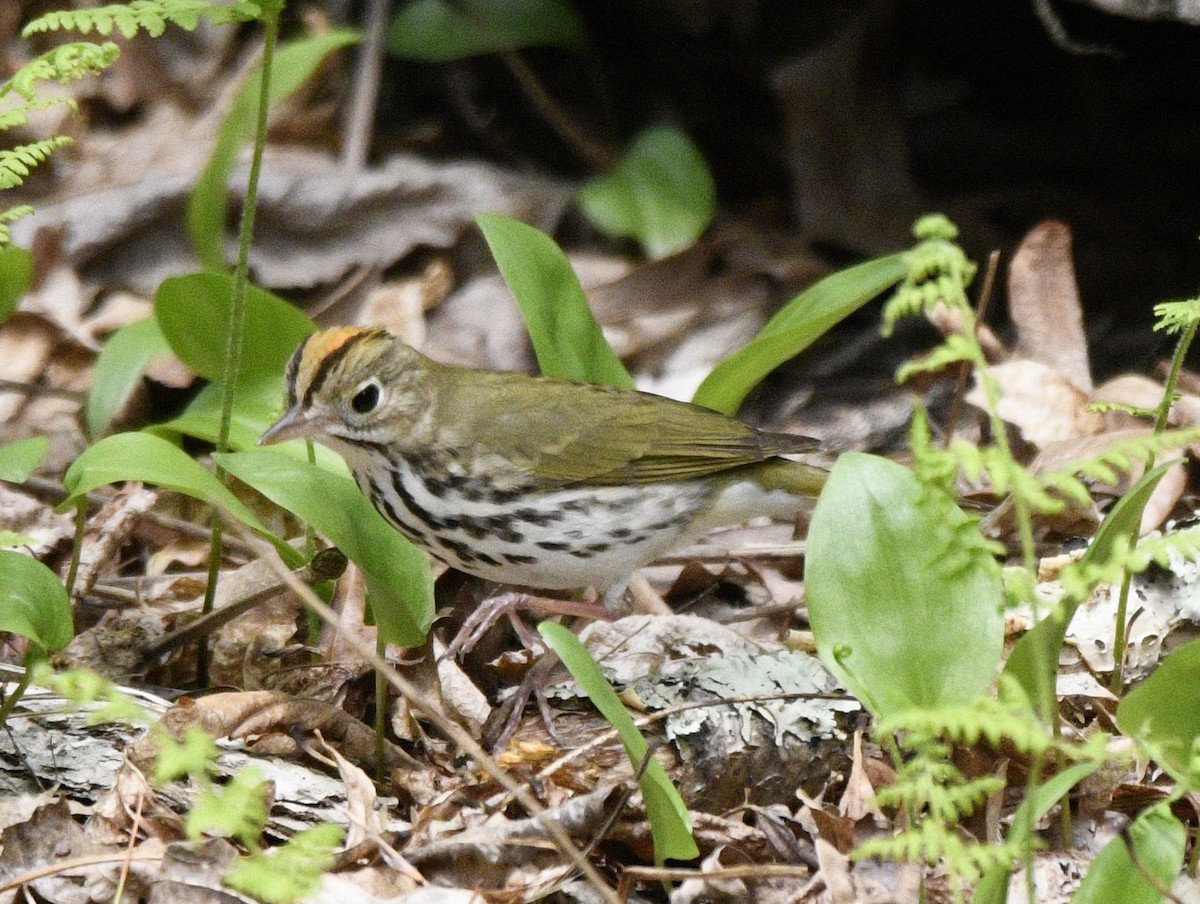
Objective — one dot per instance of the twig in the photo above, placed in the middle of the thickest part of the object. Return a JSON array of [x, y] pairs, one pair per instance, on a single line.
[[57, 491], [361, 116], [419, 700], [964, 369], [66, 866], [39, 389]]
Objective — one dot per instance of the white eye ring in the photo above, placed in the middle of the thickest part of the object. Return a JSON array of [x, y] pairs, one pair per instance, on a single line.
[[366, 398]]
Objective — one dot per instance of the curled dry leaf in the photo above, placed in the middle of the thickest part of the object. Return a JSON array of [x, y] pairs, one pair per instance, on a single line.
[[108, 531], [270, 722], [1045, 405], [1043, 299]]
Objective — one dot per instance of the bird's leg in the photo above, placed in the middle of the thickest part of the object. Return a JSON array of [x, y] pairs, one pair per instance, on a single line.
[[509, 603]]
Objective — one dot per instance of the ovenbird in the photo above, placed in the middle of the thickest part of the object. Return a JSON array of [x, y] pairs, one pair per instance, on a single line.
[[533, 481]]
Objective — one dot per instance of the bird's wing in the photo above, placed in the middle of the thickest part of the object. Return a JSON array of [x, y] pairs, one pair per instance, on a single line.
[[581, 434]]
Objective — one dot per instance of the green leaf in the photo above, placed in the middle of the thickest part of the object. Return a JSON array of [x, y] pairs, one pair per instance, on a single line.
[[993, 887], [669, 822], [1164, 711], [255, 408], [16, 276], [1034, 658], [195, 755], [805, 319], [119, 369], [237, 809], [566, 337], [660, 194], [11, 540], [294, 65], [892, 619], [1157, 839], [33, 603], [151, 459], [435, 31], [193, 313], [399, 584], [290, 872], [20, 459]]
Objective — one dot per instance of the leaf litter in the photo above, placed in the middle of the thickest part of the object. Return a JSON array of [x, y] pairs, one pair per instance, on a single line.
[[766, 791]]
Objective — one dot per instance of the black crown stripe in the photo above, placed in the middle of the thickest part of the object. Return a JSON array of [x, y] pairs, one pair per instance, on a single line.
[[329, 362]]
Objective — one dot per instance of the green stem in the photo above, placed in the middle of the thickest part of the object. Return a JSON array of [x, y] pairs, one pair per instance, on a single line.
[[381, 692], [235, 328], [1120, 629], [310, 550], [1117, 682], [11, 701], [1168, 399]]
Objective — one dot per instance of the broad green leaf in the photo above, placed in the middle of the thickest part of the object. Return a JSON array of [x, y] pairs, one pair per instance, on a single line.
[[399, 584], [193, 313], [20, 459], [1157, 840], [1034, 658], [660, 194], [119, 368], [893, 619], [669, 822], [436, 31], [16, 275], [993, 887], [255, 408], [150, 459], [33, 602], [805, 319], [566, 337], [1164, 710], [294, 65]]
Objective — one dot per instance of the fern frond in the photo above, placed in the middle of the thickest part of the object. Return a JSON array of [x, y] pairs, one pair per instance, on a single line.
[[1121, 456], [62, 64], [19, 115], [15, 163], [930, 841], [1105, 407], [938, 272], [1176, 316], [953, 350], [1166, 550], [9, 216], [15, 213], [151, 16]]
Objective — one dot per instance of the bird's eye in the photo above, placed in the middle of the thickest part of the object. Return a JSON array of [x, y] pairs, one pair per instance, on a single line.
[[366, 398]]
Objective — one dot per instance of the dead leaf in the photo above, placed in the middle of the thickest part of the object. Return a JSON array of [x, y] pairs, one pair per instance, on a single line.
[[1043, 299]]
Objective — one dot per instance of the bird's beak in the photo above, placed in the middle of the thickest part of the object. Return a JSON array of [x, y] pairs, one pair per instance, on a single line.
[[296, 422]]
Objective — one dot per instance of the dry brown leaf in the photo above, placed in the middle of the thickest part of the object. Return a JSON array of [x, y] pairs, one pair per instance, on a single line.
[[1043, 299], [49, 837], [108, 531], [1046, 406], [33, 518], [858, 798], [316, 220]]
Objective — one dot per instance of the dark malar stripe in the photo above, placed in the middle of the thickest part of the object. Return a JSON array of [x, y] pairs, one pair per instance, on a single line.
[[330, 361]]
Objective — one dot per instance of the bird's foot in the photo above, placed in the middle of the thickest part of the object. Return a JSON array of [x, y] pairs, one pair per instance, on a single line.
[[506, 718]]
